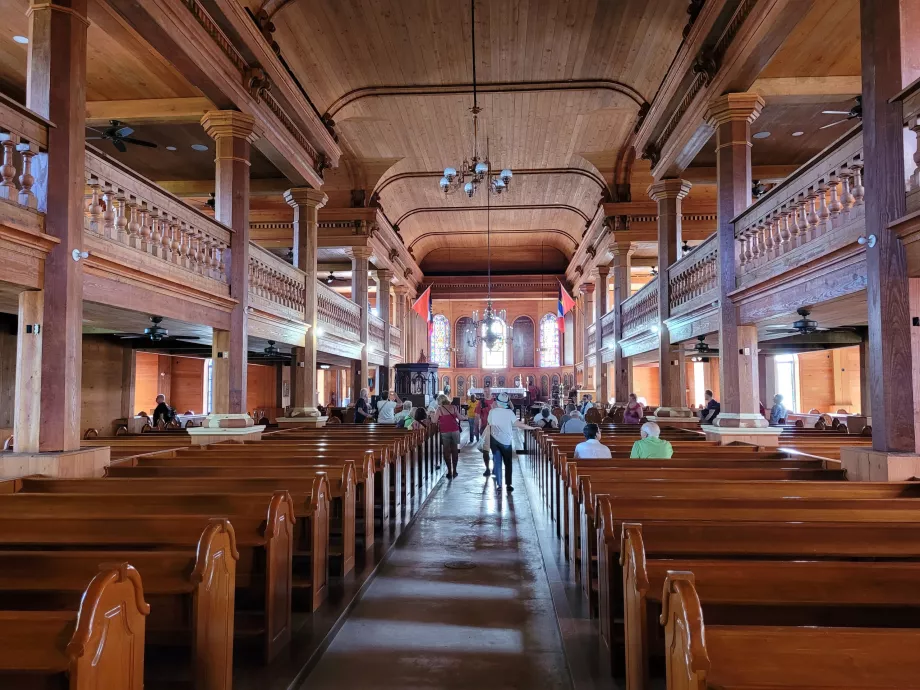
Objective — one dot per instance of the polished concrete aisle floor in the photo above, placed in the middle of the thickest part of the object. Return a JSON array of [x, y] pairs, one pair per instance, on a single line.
[[463, 601]]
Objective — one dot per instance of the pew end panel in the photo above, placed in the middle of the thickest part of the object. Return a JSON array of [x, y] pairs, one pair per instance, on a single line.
[[635, 609], [682, 616], [107, 647], [279, 559]]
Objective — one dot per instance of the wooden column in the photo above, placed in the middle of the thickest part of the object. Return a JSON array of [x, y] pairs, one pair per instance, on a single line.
[[298, 389], [402, 318], [865, 397], [359, 268], [220, 371], [890, 61], [233, 135], [306, 204], [587, 296], [56, 89], [128, 382], [668, 195], [749, 370], [622, 260], [731, 115], [384, 283], [600, 369], [27, 410]]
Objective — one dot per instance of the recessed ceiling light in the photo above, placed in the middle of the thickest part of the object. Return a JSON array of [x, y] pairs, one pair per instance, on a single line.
[[760, 135], [21, 39], [797, 134], [170, 148], [199, 147]]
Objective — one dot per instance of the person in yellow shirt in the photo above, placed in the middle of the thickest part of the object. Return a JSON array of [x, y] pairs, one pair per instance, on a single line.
[[651, 446], [473, 418]]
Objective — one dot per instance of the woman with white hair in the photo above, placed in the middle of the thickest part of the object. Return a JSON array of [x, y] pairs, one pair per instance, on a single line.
[[406, 411], [362, 407], [651, 446]]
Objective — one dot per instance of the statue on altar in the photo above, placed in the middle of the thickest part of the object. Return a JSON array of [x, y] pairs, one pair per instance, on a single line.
[[422, 358]]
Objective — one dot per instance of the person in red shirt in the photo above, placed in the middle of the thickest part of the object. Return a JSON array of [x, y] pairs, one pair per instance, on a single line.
[[485, 406]]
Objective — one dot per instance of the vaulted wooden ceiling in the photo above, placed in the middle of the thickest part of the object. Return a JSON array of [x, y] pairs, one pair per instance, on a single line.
[[562, 84]]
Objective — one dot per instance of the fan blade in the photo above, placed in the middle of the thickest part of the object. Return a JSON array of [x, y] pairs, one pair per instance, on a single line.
[[833, 124], [124, 132], [93, 129], [139, 142], [130, 336], [184, 337], [94, 138], [781, 329], [119, 145], [835, 112]]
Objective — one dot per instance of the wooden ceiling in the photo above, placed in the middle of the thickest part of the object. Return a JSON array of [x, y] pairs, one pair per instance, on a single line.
[[561, 87]]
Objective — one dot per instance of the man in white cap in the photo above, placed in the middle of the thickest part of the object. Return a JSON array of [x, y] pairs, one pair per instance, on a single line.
[[651, 446], [502, 421]]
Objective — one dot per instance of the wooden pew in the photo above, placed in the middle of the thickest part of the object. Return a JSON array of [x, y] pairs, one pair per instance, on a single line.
[[800, 592], [748, 656], [100, 645], [263, 527], [191, 591], [301, 490]]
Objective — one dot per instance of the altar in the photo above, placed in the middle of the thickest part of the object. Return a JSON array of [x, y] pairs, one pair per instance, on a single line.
[[513, 392]]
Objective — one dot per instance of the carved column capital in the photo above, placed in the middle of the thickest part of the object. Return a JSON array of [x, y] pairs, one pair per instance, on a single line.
[[359, 252], [734, 107], [305, 196], [669, 189], [220, 124]]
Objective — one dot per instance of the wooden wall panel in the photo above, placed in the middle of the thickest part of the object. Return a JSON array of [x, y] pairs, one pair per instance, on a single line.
[[645, 384], [816, 381], [7, 380], [147, 384], [262, 382], [103, 364], [187, 384], [846, 379], [522, 346]]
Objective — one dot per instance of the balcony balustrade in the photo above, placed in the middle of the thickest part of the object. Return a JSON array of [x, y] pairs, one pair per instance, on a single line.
[[375, 329], [811, 213], [395, 341], [23, 135], [640, 312], [608, 334], [337, 315], [591, 339], [275, 286], [694, 280]]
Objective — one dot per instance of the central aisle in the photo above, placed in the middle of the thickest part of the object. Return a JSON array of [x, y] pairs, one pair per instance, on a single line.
[[463, 601]]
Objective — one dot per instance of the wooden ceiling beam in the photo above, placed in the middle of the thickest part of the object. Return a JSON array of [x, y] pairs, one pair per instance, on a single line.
[[272, 186], [802, 90], [148, 111], [762, 173]]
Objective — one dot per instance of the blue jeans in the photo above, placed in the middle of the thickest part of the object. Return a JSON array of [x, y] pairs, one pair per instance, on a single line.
[[503, 453], [474, 432]]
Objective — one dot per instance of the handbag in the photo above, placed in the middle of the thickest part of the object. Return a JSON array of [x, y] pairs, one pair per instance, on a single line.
[[485, 440]]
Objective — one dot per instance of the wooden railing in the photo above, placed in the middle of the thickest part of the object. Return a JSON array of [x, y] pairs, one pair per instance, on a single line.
[[694, 277], [395, 341], [375, 332], [608, 334], [911, 103], [640, 312], [129, 211], [23, 134], [338, 314], [822, 196], [275, 286], [591, 339]]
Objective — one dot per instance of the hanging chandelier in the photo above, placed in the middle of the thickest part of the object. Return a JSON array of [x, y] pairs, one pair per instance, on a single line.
[[473, 172]]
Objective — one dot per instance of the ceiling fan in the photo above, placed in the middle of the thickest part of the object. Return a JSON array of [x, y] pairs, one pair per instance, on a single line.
[[853, 113], [119, 135], [701, 352], [155, 333], [270, 352], [806, 326]]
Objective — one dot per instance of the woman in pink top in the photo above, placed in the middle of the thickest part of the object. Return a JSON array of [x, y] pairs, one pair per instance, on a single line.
[[634, 412], [447, 417]]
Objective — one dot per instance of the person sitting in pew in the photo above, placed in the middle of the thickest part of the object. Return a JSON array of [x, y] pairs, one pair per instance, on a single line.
[[163, 411], [592, 447], [545, 420], [362, 409], [778, 411], [651, 446], [712, 409], [573, 423], [386, 408], [406, 411]]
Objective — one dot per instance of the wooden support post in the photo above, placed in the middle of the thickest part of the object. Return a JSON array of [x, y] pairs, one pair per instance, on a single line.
[[748, 370], [233, 135], [889, 63], [220, 372], [600, 369], [128, 382], [587, 296], [731, 115], [298, 380], [57, 56], [668, 195], [306, 204], [359, 268], [27, 411], [865, 397], [622, 260], [384, 283]]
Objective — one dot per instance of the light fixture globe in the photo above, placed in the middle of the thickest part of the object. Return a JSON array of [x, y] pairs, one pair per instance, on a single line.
[[469, 189], [450, 173], [481, 168], [498, 186], [445, 183], [505, 176]]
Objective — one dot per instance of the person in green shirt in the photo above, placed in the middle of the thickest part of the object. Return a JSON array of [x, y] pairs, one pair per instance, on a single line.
[[650, 446]]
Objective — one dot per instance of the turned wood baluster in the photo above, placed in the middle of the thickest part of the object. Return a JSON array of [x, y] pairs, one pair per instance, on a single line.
[[139, 232], [824, 213], [215, 259], [223, 262], [121, 219], [195, 245], [846, 195], [26, 178], [834, 207], [165, 239], [150, 229], [95, 209], [8, 169], [812, 205], [801, 221], [768, 242], [175, 246], [206, 255], [108, 215], [741, 239], [753, 232], [859, 192]]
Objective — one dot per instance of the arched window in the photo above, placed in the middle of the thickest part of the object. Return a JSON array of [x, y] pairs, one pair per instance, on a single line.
[[522, 339], [549, 341], [440, 341], [495, 358]]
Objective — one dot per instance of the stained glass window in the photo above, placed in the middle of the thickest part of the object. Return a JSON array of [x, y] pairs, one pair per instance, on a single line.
[[495, 359], [440, 341], [549, 341]]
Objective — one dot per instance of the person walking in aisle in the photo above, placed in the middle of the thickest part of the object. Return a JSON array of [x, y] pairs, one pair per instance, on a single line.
[[473, 418], [448, 420], [485, 406], [502, 422]]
